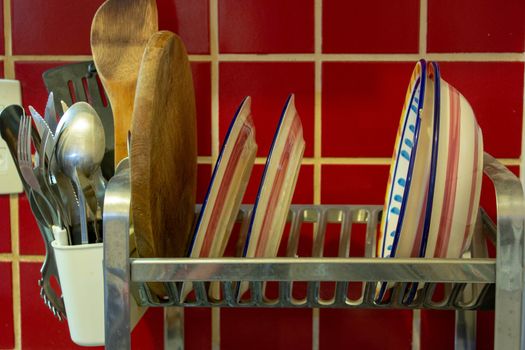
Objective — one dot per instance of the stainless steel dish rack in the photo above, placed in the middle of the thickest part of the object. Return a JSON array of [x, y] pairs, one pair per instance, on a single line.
[[472, 283]]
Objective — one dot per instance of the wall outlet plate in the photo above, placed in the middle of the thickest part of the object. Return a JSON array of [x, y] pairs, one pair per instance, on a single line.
[[10, 93]]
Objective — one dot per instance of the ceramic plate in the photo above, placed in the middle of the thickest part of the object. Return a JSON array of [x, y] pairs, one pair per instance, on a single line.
[[422, 235], [277, 186], [226, 190], [401, 213]]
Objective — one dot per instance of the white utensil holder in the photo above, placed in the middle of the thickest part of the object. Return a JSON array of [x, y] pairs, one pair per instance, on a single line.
[[80, 268]]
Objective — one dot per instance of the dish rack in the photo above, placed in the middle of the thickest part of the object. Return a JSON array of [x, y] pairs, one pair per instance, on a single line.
[[464, 285]]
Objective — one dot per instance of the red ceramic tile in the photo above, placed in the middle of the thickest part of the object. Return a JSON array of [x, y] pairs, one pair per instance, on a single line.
[[33, 89], [266, 329], [370, 26], [31, 242], [2, 43], [65, 24], [476, 26], [303, 190], [361, 107], [41, 330], [5, 225], [7, 335], [437, 329], [485, 330], [253, 184], [495, 91], [148, 334], [269, 84], [203, 181], [202, 85], [197, 328], [270, 26], [360, 329], [190, 20], [354, 184]]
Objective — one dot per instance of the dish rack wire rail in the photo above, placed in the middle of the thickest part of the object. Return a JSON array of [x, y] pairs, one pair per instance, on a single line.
[[472, 283]]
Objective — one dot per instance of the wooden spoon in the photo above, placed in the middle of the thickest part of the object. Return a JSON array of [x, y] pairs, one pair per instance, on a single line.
[[119, 33], [163, 159]]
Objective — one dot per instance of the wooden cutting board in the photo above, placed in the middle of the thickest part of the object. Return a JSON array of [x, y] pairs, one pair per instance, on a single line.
[[163, 159]]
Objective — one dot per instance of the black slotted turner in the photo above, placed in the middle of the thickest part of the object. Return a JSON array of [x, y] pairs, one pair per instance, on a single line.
[[79, 82]]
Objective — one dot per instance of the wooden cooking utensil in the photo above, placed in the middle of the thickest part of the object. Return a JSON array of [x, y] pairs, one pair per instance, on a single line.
[[119, 33], [163, 159]]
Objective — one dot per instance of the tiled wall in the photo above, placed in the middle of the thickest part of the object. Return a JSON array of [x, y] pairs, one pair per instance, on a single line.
[[348, 62]]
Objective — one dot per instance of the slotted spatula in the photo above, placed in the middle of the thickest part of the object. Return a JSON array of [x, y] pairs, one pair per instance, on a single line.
[[79, 82]]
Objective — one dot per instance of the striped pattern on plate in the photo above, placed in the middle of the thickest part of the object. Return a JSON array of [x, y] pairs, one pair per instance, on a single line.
[[458, 180], [400, 178], [277, 186], [226, 190]]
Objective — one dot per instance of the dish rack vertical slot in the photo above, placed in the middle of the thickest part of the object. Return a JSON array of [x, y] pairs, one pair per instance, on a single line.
[[465, 285]]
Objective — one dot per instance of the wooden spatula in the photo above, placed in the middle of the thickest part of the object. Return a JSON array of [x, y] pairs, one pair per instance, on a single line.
[[119, 33], [163, 149]]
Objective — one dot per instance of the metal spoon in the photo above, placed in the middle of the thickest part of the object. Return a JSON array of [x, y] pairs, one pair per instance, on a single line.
[[80, 149]]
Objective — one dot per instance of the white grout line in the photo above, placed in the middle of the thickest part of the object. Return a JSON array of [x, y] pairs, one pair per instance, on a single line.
[[9, 69], [315, 328], [354, 161], [216, 328], [15, 268], [274, 57], [309, 57], [423, 30], [31, 258], [509, 161], [9, 257], [6, 257], [522, 162], [416, 329], [200, 58], [318, 49], [214, 56], [301, 57], [204, 160], [476, 57], [9, 73], [51, 58], [423, 20]]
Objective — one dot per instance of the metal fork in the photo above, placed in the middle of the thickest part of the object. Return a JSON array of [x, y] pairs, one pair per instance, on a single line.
[[45, 168], [53, 301], [25, 164]]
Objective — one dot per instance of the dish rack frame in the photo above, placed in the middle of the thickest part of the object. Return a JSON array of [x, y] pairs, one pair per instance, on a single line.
[[465, 285]]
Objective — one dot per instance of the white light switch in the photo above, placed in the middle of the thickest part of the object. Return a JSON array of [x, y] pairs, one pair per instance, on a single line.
[[10, 93]]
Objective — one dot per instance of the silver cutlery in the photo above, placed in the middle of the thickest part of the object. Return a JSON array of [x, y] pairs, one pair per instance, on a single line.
[[49, 173], [25, 163], [9, 127], [79, 151], [50, 113]]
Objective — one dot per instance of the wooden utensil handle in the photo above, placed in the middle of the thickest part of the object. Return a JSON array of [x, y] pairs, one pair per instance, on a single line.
[[122, 105]]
